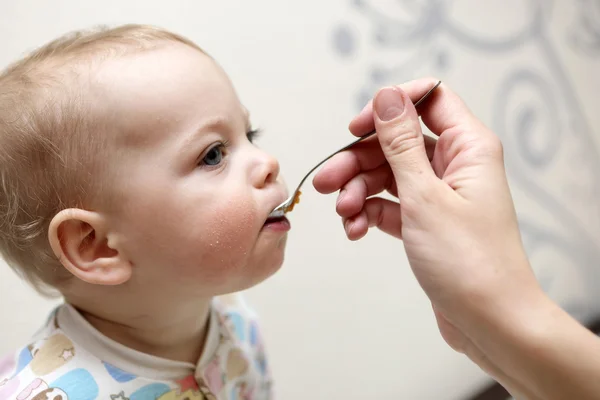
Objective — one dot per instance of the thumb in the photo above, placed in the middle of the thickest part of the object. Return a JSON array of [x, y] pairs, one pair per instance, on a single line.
[[401, 139]]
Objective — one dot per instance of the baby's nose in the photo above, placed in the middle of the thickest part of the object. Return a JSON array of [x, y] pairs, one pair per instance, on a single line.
[[267, 170]]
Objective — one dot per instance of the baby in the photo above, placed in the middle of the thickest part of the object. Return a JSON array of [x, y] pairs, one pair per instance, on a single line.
[[131, 186]]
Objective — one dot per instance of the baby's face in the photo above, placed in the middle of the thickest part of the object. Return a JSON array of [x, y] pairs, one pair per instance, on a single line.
[[192, 192]]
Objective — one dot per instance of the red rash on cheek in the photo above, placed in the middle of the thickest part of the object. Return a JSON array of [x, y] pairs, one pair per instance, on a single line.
[[230, 232], [202, 245]]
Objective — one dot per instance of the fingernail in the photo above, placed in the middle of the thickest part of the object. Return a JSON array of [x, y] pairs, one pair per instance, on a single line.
[[341, 196], [389, 104]]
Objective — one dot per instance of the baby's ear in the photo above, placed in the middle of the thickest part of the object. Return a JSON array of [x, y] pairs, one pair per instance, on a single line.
[[81, 242]]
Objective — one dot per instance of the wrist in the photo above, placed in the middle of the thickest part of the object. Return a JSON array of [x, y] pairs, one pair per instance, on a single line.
[[506, 301], [540, 347]]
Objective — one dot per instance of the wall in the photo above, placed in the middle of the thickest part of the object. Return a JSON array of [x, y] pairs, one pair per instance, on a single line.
[[347, 320]]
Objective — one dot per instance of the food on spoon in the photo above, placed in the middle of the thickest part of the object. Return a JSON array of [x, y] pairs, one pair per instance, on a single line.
[[296, 201]]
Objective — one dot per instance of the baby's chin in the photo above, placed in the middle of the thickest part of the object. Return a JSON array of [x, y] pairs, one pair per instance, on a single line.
[[262, 270], [239, 269]]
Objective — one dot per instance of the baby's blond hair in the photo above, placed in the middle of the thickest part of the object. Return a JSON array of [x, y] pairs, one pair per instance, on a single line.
[[51, 142]]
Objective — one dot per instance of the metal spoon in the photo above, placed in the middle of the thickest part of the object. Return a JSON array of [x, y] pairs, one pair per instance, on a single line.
[[288, 204]]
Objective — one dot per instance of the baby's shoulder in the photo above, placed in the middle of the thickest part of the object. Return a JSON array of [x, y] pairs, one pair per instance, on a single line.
[[13, 362], [21, 369]]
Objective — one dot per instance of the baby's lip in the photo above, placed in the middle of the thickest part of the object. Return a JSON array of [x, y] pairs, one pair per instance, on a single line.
[[280, 199]]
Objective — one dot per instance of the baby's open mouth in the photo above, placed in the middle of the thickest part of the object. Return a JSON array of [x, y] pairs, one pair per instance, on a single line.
[[277, 224]]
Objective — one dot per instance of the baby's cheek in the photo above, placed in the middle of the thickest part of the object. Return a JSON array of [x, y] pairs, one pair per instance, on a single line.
[[229, 234]]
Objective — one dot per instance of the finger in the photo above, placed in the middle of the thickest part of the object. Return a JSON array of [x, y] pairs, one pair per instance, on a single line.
[[363, 156], [399, 133], [430, 144], [344, 166], [356, 191], [363, 123], [393, 190], [449, 118], [377, 212], [444, 110]]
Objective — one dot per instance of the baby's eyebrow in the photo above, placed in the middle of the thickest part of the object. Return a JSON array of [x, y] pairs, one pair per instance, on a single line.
[[212, 124], [209, 125]]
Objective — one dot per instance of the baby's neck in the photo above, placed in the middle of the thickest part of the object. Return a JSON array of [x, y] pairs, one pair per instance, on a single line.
[[176, 334]]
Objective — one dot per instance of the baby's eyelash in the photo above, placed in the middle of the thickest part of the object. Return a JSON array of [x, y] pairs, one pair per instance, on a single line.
[[253, 134]]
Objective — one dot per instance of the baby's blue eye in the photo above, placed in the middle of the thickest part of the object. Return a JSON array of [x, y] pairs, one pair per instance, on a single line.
[[214, 156]]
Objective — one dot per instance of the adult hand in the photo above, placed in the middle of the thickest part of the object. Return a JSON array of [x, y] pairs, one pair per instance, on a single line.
[[455, 213], [456, 218]]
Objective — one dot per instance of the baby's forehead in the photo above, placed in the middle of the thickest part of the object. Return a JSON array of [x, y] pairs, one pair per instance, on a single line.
[[173, 70], [166, 89]]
